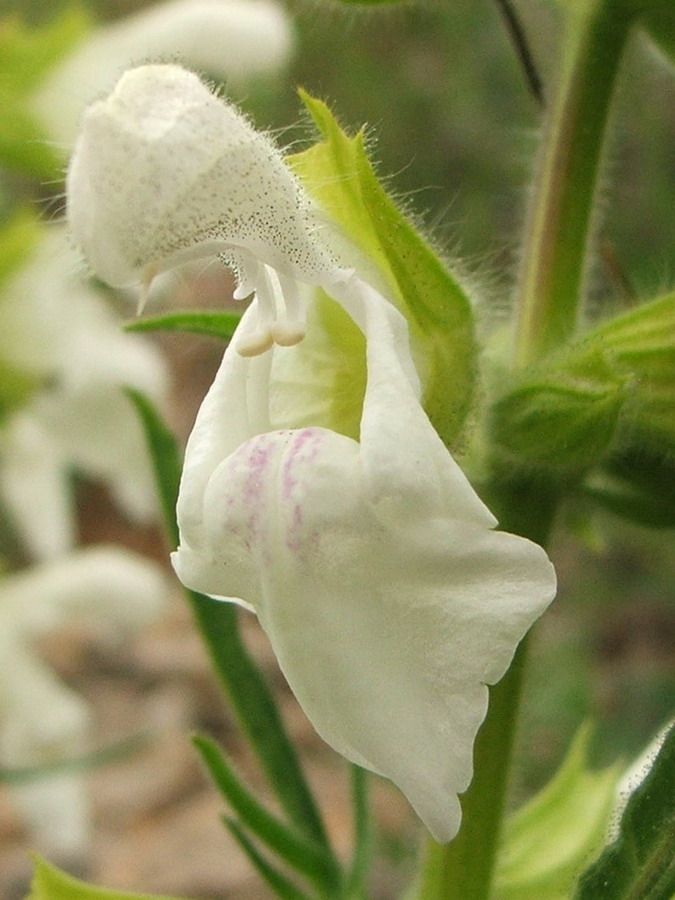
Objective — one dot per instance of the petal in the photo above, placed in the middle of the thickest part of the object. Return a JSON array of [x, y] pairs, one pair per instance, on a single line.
[[409, 469], [105, 583], [386, 636]]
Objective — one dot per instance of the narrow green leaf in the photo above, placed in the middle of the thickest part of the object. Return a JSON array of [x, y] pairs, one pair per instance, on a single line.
[[49, 883], [357, 880], [546, 842], [165, 459], [339, 174], [243, 682], [216, 324], [258, 713], [640, 864], [295, 850], [104, 756], [282, 886]]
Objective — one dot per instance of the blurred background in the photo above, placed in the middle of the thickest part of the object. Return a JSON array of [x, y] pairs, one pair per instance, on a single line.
[[454, 132]]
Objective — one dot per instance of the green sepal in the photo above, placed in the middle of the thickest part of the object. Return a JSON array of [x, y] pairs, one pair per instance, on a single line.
[[613, 389], [546, 843], [338, 174], [640, 346], [26, 56], [220, 325], [640, 864], [50, 883], [565, 419], [300, 854]]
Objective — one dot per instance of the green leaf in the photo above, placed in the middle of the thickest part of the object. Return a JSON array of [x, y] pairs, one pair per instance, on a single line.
[[640, 864], [26, 56], [49, 883], [305, 857], [216, 324], [338, 173], [546, 842], [281, 885], [165, 458], [243, 682]]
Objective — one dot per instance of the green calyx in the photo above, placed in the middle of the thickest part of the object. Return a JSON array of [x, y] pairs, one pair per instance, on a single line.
[[338, 174], [613, 388]]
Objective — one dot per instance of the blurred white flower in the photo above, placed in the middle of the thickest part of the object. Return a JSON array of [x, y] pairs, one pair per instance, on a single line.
[[230, 40], [42, 721], [55, 325], [315, 490]]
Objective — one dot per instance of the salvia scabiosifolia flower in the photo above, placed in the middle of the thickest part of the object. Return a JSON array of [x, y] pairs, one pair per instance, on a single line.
[[315, 490]]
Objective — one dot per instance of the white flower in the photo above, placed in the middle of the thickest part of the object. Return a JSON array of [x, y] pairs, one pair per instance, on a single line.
[[315, 490], [55, 326], [232, 40], [42, 721]]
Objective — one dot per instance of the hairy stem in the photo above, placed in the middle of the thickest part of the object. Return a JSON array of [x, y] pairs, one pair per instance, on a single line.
[[561, 214]]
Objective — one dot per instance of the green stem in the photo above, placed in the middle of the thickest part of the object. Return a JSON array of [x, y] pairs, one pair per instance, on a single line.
[[551, 283], [560, 217]]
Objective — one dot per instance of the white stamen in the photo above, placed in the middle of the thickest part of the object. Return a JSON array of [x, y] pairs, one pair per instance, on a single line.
[[280, 311]]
